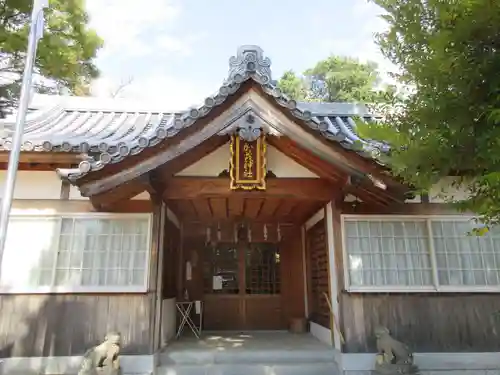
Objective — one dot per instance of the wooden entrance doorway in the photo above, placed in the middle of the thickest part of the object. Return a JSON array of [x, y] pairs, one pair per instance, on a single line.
[[241, 251], [242, 284]]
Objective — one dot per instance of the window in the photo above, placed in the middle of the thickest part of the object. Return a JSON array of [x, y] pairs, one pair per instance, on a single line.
[[465, 260], [74, 253], [419, 254]]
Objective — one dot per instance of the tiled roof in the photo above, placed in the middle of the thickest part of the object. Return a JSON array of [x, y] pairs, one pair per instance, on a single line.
[[109, 133]]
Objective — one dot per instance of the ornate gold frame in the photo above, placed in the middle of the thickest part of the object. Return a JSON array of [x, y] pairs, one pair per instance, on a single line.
[[259, 183]]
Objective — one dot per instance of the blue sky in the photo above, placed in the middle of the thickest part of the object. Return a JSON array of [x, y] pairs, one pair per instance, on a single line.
[[176, 51]]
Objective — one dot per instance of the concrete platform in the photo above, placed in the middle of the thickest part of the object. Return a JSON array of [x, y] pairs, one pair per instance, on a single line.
[[255, 353]]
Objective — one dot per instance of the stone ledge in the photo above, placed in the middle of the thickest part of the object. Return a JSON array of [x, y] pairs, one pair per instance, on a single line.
[[429, 361], [131, 365]]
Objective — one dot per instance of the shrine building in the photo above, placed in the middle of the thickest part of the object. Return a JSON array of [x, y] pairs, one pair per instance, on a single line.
[[260, 214]]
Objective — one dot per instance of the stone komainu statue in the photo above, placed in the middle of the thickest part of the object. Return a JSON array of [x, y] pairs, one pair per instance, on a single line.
[[393, 356], [103, 358]]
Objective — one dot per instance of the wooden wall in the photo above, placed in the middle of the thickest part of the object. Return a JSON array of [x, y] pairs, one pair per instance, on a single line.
[[427, 322], [318, 277], [170, 264], [65, 325], [292, 276]]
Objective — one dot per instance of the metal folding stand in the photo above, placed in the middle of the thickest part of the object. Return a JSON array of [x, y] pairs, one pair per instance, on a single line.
[[185, 308]]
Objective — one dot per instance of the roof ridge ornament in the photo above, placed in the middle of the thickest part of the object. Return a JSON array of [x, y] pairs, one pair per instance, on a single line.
[[251, 130], [250, 60]]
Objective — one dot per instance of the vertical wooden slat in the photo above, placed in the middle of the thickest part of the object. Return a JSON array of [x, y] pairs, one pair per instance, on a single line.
[[319, 275], [241, 246]]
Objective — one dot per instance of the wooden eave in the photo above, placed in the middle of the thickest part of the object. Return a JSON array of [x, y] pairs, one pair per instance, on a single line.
[[45, 158], [176, 153]]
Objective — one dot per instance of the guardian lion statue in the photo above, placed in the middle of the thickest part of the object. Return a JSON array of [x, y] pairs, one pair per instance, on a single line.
[[103, 358], [393, 356]]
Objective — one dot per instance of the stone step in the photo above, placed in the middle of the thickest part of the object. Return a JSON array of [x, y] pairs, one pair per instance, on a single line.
[[251, 369], [208, 357]]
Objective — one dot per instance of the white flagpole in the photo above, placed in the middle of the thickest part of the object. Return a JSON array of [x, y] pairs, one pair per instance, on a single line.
[[36, 30]]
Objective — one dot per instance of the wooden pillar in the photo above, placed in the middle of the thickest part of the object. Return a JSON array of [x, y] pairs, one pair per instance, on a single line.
[[332, 232], [153, 265], [313, 220], [159, 276], [305, 271]]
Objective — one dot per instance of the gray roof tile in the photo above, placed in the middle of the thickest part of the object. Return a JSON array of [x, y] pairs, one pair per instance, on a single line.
[[109, 135]]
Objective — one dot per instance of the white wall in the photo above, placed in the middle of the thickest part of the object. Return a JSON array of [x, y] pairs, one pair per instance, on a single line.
[[34, 185], [430, 363], [438, 193], [444, 190], [44, 185], [168, 320], [321, 333], [215, 162]]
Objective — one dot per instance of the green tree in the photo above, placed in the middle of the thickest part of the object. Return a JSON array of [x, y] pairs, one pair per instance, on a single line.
[[448, 52], [336, 79], [65, 53], [293, 86]]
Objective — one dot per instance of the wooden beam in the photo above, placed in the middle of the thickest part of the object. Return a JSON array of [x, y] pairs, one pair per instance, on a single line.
[[41, 167], [314, 189], [122, 193], [41, 157]]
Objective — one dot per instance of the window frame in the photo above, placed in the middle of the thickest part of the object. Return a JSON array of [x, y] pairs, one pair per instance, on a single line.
[[4, 289], [436, 287]]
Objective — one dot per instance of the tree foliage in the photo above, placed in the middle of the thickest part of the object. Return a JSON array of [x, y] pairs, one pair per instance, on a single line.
[[65, 54], [449, 52], [336, 79]]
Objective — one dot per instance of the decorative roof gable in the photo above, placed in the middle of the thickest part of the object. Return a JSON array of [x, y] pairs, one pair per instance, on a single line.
[[109, 135]]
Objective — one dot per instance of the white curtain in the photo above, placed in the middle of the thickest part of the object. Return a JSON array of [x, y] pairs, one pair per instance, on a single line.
[[64, 251], [103, 252], [464, 259], [387, 253], [29, 253]]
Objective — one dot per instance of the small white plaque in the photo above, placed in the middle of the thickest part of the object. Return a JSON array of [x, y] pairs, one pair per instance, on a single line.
[[217, 283]]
